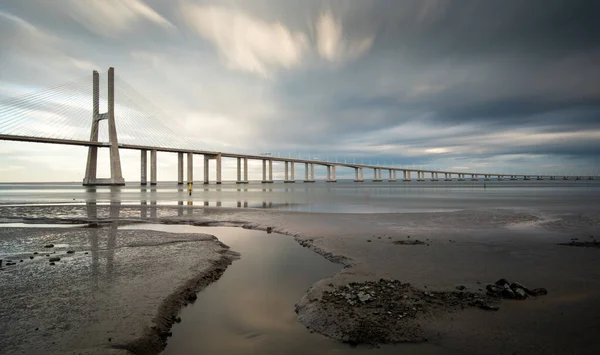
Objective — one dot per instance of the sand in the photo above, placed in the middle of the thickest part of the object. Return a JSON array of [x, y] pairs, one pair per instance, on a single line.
[[470, 248]]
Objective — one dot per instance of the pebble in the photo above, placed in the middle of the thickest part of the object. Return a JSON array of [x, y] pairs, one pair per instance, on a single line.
[[54, 259], [49, 246], [70, 251]]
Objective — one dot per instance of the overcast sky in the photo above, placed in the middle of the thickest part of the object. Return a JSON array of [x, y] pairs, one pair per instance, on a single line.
[[499, 86]]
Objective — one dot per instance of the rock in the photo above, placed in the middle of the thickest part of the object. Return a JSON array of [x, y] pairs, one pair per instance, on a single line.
[[502, 282], [177, 319], [269, 229], [86, 253], [49, 246], [508, 293], [538, 291], [70, 251], [460, 287], [364, 297], [35, 253], [488, 307], [494, 290], [369, 240], [31, 257], [520, 293], [52, 264], [53, 259], [21, 260]]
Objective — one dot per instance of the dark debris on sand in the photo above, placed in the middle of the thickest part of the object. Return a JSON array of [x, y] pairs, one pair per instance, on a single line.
[[592, 243], [384, 311]]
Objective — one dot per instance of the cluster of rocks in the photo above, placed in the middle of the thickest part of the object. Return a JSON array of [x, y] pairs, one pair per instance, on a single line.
[[575, 242], [52, 260], [385, 311], [513, 291]]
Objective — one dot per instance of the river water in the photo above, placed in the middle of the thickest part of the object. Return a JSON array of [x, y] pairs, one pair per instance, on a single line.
[[341, 197]]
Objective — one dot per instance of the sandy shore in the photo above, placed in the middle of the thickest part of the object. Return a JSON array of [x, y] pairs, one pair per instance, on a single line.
[[118, 292], [466, 248]]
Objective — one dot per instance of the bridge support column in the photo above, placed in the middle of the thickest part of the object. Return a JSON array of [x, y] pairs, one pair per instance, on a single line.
[[144, 167], [264, 171], [334, 173], [362, 177], [218, 158], [270, 170], [358, 175], [190, 167], [116, 176], [328, 167], [239, 170], [312, 172], [245, 170], [289, 167], [153, 167], [206, 170], [180, 168], [376, 175]]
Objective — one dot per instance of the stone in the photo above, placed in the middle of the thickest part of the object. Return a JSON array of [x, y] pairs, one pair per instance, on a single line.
[[53, 259], [35, 253], [70, 251], [508, 293], [177, 319], [520, 293], [460, 287], [31, 257], [369, 240], [86, 253], [52, 264], [269, 229], [49, 246], [488, 307], [494, 290], [364, 297], [502, 282], [538, 291]]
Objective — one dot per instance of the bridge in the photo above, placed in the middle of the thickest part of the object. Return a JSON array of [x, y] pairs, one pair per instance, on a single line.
[[67, 105]]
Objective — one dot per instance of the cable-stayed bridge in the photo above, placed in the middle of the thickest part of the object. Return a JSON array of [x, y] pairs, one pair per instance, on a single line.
[[66, 114]]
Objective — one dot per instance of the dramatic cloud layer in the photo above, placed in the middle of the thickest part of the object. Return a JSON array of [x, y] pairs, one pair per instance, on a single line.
[[507, 86]]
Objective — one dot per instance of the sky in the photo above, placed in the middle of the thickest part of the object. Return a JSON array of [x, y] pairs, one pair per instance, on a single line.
[[494, 86]]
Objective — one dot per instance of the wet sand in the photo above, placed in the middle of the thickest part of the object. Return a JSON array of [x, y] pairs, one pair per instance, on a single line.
[[119, 292], [470, 248]]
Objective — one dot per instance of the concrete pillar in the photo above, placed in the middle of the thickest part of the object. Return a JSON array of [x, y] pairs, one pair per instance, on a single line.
[[374, 174], [179, 168], [305, 171], [362, 178], [92, 160], [334, 173], [312, 171], [328, 172], [219, 168], [144, 167], [239, 169], [380, 172], [153, 167], [206, 170], [270, 170], [264, 171], [190, 168], [395, 171], [355, 174], [286, 171], [116, 176], [293, 173], [246, 169]]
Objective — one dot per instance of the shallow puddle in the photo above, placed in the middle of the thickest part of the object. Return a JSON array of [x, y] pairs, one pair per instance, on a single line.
[[250, 309]]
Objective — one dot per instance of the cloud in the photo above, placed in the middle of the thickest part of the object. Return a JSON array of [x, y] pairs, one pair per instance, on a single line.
[[111, 17], [247, 43], [331, 43]]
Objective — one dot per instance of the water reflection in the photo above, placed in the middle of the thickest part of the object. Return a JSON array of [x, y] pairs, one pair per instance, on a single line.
[[95, 245]]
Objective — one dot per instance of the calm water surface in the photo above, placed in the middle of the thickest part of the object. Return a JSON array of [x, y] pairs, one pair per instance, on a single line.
[[365, 197]]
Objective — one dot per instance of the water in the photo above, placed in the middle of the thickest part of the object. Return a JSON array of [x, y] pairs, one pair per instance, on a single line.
[[343, 197], [250, 309]]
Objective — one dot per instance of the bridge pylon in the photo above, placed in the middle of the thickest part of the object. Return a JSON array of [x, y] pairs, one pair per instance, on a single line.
[[116, 176]]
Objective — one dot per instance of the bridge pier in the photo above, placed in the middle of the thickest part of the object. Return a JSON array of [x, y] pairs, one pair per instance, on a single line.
[[474, 177], [420, 176], [239, 171], [291, 172], [392, 175], [407, 175], [116, 176], [153, 167], [190, 168], [331, 173], [309, 172], [179, 168], [144, 167], [206, 170], [461, 177], [358, 175], [377, 178]]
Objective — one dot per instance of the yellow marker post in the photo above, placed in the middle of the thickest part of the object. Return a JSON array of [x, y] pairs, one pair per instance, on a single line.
[[190, 188]]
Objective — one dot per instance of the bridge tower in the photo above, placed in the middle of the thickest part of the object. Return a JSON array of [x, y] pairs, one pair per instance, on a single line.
[[116, 176]]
